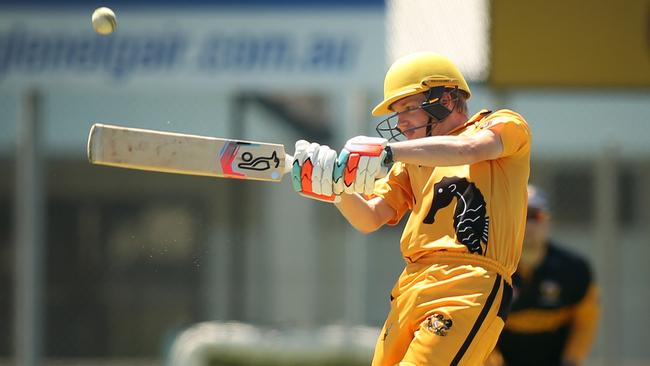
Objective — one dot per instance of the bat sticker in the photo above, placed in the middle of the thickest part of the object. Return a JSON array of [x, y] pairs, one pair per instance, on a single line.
[[227, 157], [260, 163], [229, 154]]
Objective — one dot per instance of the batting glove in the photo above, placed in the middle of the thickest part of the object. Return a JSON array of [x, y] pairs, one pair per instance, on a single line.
[[312, 170], [359, 164]]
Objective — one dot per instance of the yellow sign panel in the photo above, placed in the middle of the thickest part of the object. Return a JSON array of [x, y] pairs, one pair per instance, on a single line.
[[590, 43]]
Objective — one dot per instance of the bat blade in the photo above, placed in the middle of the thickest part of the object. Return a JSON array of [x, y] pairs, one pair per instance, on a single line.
[[159, 151]]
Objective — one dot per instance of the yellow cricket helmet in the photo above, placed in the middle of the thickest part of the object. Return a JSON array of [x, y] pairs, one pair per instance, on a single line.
[[417, 73]]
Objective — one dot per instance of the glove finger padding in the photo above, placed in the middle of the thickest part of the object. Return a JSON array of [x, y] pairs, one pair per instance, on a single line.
[[327, 159], [374, 172], [317, 169], [338, 177], [362, 174], [311, 172], [299, 157], [350, 172], [364, 165]]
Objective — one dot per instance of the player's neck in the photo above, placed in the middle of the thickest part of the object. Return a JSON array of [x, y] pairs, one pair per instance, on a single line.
[[455, 122]]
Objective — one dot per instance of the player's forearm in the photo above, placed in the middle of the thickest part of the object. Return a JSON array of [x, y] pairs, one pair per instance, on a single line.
[[434, 151], [448, 150], [359, 212]]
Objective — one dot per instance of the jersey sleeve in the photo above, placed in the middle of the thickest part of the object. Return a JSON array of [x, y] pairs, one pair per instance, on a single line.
[[395, 189], [512, 129], [583, 329]]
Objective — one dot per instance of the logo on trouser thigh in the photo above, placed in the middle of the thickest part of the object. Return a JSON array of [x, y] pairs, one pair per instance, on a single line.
[[438, 324]]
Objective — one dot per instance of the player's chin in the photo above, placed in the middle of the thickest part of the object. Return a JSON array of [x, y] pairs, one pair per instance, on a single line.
[[405, 134], [412, 135]]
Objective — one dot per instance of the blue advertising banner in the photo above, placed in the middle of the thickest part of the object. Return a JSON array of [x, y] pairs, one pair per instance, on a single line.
[[191, 47], [190, 3]]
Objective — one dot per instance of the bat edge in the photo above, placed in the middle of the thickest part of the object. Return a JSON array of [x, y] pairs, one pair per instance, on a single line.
[[94, 140]]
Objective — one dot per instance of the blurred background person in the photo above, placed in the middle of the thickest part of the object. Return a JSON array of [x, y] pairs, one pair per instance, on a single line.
[[555, 309]]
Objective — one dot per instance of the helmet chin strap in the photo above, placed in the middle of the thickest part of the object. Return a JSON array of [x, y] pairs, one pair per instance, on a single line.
[[429, 126]]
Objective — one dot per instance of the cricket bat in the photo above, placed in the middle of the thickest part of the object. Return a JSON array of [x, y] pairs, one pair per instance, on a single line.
[[178, 153]]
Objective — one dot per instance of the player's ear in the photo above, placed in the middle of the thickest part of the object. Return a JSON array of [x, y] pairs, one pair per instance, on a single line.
[[446, 99]]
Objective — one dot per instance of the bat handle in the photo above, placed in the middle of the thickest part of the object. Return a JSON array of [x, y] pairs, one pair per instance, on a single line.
[[288, 163]]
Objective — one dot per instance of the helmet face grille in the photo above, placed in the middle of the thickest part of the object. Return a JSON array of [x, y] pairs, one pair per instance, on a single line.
[[387, 128], [432, 105]]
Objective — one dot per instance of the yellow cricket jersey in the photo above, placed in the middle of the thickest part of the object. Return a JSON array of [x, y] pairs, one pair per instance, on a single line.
[[478, 209]]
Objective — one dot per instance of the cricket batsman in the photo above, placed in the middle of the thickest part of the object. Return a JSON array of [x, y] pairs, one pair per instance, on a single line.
[[463, 180]]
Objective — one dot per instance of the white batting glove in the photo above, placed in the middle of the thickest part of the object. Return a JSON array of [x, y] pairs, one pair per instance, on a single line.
[[359, 164], [311, 173]]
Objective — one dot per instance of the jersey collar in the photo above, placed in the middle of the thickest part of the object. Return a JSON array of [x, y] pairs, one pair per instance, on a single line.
[[473, 120]]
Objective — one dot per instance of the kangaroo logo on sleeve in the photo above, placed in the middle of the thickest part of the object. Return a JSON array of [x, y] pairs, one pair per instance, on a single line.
[[470, 220]]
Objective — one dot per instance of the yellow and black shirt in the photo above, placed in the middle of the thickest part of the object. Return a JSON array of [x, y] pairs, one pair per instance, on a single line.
[[554, 313], [477, 209]]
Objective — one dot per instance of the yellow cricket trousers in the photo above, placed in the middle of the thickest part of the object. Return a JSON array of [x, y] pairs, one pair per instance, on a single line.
[[446, 309]]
